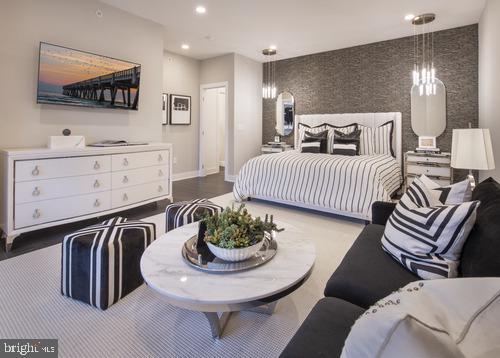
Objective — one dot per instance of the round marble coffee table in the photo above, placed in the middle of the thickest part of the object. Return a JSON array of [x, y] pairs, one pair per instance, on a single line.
[[259, 289]]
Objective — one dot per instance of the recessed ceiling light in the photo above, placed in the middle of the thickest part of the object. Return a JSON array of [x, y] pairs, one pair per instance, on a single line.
[[185, 46], [201, 9], [272, 47], [409, 17]]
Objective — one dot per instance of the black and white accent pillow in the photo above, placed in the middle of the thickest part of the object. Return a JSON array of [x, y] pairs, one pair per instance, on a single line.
[[310, 146], [314, 130], [346, 143], [428, 239], [377, 140], [321, 136], [451, 194], [348, 129]]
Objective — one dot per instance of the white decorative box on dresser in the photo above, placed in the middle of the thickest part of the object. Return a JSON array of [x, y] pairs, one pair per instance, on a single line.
[[435, 166], [46, 187]]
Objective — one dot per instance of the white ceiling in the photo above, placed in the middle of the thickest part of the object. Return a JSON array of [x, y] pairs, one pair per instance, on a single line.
[[297, 27]]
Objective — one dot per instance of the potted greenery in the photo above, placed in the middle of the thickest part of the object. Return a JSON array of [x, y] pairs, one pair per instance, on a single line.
[[234, 235]]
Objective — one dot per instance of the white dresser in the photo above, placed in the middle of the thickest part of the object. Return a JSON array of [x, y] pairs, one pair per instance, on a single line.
[[435, 166], [45, 187]]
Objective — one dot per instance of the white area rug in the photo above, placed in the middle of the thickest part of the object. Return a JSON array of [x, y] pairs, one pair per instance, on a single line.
[[142, 324]]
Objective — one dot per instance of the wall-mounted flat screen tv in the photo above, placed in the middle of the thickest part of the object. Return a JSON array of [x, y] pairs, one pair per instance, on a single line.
[[77, 78]]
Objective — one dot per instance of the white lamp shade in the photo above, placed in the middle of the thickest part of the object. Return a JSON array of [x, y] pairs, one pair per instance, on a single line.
[[471, 149]]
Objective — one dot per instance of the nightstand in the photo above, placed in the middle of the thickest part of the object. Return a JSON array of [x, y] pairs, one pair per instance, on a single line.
[[275, 148], [435, 166]]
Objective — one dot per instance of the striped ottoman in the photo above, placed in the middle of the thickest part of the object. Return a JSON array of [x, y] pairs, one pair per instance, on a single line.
[[101, 263], [187, 212]]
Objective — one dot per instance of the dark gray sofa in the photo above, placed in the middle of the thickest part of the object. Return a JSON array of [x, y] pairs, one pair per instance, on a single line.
[[367, 274]]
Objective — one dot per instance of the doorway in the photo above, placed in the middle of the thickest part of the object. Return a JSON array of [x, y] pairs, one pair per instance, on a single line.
[[213, 128]]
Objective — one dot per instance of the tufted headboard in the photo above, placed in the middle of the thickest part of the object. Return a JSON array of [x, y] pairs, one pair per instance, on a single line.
[[366, 119]]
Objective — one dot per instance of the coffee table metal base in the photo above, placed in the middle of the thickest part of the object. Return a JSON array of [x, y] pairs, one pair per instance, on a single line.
[[218, 323]]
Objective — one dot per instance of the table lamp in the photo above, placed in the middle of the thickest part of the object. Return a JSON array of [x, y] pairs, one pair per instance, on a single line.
[[471, 149]]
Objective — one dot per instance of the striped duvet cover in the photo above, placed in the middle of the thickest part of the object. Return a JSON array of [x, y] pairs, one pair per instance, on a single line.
[[330, 182]]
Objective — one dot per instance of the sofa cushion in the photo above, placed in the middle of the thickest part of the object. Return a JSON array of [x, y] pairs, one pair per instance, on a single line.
[[367, 273], [480, 254], [324, 331]]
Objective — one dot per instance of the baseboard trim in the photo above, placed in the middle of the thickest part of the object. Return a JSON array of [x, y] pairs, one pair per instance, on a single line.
[[185, 175]]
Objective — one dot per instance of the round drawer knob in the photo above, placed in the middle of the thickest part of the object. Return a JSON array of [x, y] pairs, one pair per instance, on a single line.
[[160, 188], [97, 165], [36, 214], [36, 191], [97, 184], [97, 203], [160, 157], [125, 197], [160, 173], [125, 162], [125, 179], [35, 171]]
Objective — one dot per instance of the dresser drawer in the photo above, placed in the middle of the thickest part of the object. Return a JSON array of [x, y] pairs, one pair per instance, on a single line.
[[36, 213], [133, 194], [28, 170], [139, 160], [39, 190], [429, 170], [423, 159], [126, 178]]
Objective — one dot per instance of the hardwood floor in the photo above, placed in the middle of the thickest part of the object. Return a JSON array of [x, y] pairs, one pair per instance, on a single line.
[[204, 187]]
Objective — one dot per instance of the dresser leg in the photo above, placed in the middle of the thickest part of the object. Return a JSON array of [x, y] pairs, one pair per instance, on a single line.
[[8, 242]]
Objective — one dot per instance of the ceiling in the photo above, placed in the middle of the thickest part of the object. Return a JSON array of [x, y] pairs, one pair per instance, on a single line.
[[296, 27]]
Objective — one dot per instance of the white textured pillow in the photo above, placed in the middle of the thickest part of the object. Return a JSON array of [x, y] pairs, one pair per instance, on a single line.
[[376, 140], [440, 318], [452, 194], [426, 238]]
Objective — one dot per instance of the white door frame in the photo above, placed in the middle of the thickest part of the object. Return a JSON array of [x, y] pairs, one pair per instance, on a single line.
[[227, 159]]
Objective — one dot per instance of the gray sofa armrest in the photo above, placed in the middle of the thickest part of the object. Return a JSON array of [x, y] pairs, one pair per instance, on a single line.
[[381, 211]]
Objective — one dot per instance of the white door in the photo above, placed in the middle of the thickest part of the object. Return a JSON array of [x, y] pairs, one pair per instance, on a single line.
[[212, 129]]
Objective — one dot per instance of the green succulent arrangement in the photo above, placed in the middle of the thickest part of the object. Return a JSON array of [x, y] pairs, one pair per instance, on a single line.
[[234, 229]]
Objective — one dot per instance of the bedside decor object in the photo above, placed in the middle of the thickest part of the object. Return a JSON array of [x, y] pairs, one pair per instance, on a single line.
[[472, 150], [180, 109], [427, 144], [234, 235], [277, 139], [101, 263], [66, 141], [436, 166], [164, 109]]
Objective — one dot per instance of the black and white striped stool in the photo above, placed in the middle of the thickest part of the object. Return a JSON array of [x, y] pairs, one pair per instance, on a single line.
[[187, 212], [101, 263]]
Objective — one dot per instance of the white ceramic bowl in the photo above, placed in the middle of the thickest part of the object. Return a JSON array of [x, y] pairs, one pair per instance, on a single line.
[[235, 255]]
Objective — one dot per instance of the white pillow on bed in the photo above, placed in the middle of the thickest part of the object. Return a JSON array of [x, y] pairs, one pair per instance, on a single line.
[[376, 140], [440, 318]]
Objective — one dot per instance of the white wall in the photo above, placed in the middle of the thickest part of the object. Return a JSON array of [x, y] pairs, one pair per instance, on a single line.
[[72, 23], [489, 79], [247, 110], [181, 76]]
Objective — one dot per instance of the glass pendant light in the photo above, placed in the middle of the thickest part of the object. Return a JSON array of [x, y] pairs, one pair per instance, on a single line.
[[269, 82], [424, 72]]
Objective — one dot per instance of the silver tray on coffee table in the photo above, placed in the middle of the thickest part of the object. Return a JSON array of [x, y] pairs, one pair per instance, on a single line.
[[207, 262]]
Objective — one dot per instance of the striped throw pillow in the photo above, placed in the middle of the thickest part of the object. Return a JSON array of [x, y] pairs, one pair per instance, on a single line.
[[343, 129], [321, 136], [314, 130], [425, 238], [310, 146], [346, 143], [377, 140]]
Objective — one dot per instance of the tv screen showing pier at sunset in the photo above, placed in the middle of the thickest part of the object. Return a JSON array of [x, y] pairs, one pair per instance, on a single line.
[[77, 78]]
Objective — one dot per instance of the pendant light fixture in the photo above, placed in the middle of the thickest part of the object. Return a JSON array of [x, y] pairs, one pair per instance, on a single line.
[[424, 72], [269, 84]]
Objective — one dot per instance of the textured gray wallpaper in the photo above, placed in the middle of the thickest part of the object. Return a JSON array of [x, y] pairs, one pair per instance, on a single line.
[[377, 78]]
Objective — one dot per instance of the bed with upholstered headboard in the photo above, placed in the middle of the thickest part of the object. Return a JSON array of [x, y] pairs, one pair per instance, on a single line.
[[339, 184]]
